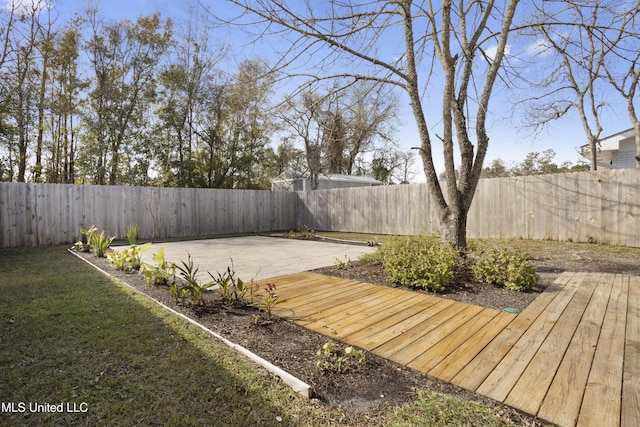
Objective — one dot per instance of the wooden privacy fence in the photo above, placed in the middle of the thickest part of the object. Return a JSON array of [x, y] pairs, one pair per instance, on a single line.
[[398, 209], [601, 206], [44, 214]]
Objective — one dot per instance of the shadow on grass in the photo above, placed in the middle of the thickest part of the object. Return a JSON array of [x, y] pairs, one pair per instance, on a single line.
[[70, 336]]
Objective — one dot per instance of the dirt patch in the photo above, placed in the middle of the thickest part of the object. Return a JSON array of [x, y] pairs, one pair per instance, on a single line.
[[365, 388]]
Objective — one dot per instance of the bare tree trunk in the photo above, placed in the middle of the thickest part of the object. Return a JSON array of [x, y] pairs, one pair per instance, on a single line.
[[41, 119], [593, 146], [72, 163], [631, 109], [455, 227], [636, 129]]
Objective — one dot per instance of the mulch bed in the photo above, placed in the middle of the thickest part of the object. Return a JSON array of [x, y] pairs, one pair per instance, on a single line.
[[362, 389]]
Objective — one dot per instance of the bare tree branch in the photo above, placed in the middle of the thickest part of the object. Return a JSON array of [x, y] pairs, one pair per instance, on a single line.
[[446, 42]]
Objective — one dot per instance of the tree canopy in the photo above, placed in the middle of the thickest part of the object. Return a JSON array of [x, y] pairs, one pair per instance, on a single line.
[[535, 163], [151, 101]]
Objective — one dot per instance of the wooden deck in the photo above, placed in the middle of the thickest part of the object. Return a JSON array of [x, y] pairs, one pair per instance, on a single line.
[[571, 358]]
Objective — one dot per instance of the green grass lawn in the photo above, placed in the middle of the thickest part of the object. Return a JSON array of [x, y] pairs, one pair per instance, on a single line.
[[70, 335]]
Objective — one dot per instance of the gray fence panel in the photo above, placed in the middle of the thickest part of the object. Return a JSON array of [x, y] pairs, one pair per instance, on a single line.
[[602, 206]]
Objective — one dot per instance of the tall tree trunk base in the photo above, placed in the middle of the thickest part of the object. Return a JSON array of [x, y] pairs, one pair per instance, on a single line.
[[454, 230]]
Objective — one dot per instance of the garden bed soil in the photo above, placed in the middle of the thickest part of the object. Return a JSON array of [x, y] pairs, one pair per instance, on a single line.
[[363, 388]]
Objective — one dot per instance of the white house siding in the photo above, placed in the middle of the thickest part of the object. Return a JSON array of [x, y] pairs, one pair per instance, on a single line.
[[625, 157]]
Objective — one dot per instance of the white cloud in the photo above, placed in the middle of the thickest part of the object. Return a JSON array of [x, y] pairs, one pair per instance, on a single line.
[[539, 48], [24, 6], [492, 50]]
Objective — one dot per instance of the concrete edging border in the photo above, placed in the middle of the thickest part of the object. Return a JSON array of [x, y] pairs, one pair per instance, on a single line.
[[296, 384]]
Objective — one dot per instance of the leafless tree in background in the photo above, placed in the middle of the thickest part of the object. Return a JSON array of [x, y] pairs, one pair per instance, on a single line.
[[405, 44]]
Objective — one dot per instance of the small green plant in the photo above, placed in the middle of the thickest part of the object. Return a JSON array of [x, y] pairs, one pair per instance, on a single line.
[[232, 288], [340, 264], [417, 262], [101, 243], [84, 245], [132, 234], [163, 274], [269, 300], [179, 293], [192, 286], [136, 255], [331, 359], [90, 233], [79, 246], [98, 242], [118, 259], [502, 267], [359, 355], [129, 259]]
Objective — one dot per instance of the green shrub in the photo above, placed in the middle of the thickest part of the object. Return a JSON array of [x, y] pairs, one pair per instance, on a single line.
[[509, 269], [376, 257], [90, 236], [418, 262], [521, 275]]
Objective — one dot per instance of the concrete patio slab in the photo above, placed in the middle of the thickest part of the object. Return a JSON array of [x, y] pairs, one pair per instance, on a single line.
[[256, 257]]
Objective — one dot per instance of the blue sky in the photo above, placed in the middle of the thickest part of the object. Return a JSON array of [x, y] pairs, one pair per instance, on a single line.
[[509, 141]]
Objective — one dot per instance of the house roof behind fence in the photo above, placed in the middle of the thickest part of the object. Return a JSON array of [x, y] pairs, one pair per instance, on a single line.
[[296, 175]]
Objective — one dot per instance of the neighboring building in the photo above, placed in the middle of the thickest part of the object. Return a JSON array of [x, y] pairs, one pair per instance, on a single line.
[[298, 181], [614, 152]]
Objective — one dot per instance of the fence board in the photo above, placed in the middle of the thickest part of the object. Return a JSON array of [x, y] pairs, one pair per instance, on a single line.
[[45, 214], [603, 206]]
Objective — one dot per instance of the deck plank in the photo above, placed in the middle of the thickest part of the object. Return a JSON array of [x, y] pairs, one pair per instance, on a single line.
[[505, 375], [304, 292], [631, 378], [480, 367], [308, 291], [337, 294], [429, 333], [334, 306], [380, 332], [451, 365], [451, 342], [333, 311], [296, 306], [564, 397], [546, 360], [424, 321], [601, 402], [369, 318], [322, 296], [354, 312], [296, 280]]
